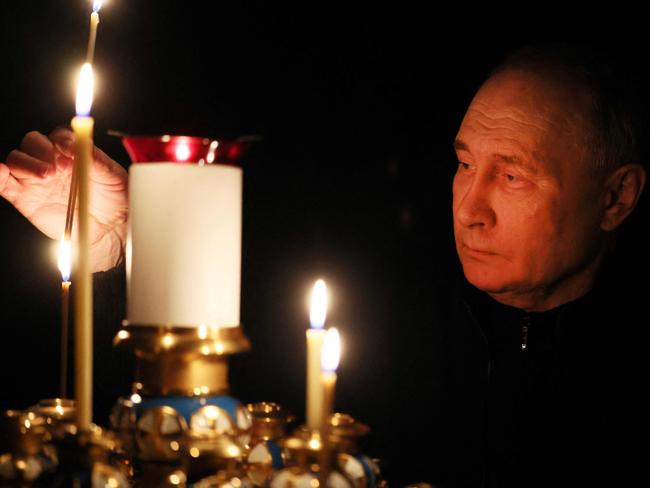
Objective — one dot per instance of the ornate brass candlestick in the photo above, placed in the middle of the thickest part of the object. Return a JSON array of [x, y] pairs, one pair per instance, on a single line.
[[331, 458], [263, 454], [180, 411], [310, 462], [25, 455], [89, 459], [59, 416], [43, 447], [344, 434]]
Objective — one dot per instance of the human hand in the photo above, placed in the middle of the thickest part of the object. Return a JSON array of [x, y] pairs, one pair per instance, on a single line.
[[36, 180]]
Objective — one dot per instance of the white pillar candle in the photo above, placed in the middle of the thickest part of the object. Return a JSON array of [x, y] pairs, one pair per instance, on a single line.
[[184, 244]]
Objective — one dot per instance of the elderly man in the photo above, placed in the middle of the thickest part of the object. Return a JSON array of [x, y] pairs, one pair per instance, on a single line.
[[541, 184], [549, 167], [528, 375], [527, 367]]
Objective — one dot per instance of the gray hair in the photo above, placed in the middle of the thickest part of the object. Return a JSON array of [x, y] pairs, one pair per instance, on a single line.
[[617, 110]]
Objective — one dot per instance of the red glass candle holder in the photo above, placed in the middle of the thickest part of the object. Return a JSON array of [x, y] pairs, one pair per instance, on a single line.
[[185, 149]]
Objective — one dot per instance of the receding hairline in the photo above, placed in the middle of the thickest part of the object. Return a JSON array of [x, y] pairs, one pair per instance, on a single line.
[[553, 78], [553, 84], [615, 113]]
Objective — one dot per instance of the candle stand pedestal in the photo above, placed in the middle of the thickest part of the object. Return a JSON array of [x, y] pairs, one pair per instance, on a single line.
[[180, 411]]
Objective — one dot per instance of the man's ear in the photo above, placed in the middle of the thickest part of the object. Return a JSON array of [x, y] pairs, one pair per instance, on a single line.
[[623, 189]]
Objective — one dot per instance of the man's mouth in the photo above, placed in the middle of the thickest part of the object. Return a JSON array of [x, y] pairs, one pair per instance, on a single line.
[[477, 250]]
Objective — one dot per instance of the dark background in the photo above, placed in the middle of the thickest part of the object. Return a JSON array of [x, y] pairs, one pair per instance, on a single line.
[[356, 107]]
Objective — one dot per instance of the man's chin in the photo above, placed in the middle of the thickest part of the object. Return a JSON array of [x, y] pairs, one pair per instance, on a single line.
[[492, 281]]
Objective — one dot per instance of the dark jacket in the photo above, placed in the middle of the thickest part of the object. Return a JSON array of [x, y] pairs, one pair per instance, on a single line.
[[537, 399]]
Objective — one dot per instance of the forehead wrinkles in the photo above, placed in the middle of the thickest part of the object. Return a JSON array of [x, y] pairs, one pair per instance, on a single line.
[[537, 133], [483, 116]]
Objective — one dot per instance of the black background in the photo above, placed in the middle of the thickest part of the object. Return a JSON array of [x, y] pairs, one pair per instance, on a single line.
[[356, 106]]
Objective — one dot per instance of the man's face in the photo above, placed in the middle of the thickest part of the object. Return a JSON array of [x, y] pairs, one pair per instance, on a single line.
[[526, 204]]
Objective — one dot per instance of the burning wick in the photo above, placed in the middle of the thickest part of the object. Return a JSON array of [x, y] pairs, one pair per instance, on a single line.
[[65, 261]]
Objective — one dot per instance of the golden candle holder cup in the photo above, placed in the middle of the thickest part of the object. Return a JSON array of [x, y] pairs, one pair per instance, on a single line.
[[332, 456], [59, 414], [309, 462], [91, 454], [263, 454], [344, 434], [25, 455]]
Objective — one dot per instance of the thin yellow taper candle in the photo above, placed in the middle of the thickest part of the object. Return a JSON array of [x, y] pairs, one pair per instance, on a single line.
[[92, 35], [315, 338], [329, 362], [64, 264], [72, 195], [82, 125]]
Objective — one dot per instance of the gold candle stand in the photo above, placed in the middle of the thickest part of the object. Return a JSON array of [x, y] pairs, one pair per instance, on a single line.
[[184, 361]]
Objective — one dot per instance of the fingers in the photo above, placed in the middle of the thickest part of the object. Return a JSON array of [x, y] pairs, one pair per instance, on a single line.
[[38, 146], [23, 165], [63, 140], [4, 178], [8, 184], [103, 165], [34, 159]]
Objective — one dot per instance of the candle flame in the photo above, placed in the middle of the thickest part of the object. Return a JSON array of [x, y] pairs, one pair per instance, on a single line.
[[97, 4], [318, 308], [331, 352], [85, 90], [65, 258]]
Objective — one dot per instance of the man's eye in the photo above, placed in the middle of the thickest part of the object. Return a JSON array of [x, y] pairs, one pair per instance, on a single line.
[[464, 166], [514, 181]]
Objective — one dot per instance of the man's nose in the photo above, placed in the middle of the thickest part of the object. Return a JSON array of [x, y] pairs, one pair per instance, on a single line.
[[473, 205]]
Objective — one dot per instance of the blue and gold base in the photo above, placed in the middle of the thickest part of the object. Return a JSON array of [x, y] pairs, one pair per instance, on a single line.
[[180, 411]]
